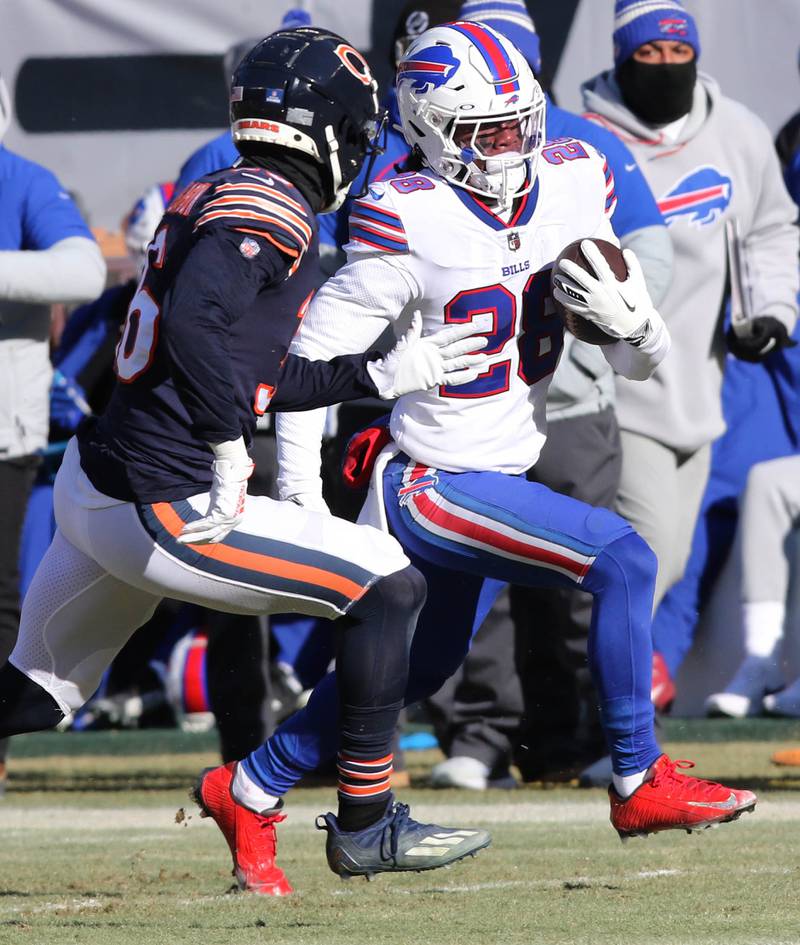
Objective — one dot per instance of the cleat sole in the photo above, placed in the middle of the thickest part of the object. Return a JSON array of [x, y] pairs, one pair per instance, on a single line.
[[626, 835], [349, 874]]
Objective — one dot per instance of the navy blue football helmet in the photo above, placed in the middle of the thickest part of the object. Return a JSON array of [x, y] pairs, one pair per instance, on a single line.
[[309, 90]]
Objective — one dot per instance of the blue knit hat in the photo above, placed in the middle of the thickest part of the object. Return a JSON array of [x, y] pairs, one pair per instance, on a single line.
[[512, 20], [642, 21]]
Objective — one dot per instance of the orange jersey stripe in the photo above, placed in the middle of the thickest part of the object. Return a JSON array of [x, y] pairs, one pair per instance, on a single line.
[[254, 561], [267, 206], [207, 217], [262, 188]]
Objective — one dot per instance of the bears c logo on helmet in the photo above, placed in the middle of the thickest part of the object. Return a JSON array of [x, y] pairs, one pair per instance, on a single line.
[[354, 62]]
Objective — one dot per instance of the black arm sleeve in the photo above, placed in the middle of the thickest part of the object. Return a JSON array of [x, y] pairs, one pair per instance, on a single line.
[[305, 384]]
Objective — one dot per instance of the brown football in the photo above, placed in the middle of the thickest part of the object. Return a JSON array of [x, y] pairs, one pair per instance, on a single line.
[[582, 328]]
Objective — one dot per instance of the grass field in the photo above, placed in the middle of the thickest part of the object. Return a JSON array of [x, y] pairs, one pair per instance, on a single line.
[[91, 853]]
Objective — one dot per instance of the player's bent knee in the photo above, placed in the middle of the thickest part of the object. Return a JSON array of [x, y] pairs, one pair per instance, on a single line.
[[630, 556], [24, 705], [402, 591]]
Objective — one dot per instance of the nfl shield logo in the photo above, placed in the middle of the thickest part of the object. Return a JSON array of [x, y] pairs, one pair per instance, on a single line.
[[249, 248], [513, 241]]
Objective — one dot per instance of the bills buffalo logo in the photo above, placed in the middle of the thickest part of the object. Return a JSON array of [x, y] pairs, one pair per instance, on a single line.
[[418, 485], [674, 26], [512, 100], [428, 69], [699, 198], [513, 241]]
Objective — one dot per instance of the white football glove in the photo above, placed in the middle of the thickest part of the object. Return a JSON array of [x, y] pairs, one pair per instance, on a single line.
[[622, 309], [232, 467], [446, 356]]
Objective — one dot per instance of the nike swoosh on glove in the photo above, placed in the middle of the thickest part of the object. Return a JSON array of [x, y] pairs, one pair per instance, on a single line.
[[417, 362], [767, 334], [621, 309], [232, 467]]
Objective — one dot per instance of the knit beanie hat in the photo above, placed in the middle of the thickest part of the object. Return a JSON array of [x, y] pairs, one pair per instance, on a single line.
[[642, 21], [512, 20], [416, 17]]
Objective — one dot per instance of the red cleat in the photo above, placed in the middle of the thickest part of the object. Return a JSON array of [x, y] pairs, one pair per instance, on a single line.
[[662, 687], [668, 800], [250, 836]]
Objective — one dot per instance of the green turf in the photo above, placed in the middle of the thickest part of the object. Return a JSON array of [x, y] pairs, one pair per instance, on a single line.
[[155, 741], [92, 854]]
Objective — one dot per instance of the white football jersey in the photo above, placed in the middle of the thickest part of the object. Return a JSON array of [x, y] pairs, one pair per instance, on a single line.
[[470, 265], [419, 243]]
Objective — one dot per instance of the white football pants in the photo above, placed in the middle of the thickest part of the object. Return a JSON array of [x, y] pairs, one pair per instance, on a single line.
[[111, 562]]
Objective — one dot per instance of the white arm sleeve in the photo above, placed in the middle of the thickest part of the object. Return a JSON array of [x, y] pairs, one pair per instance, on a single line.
[[345, 317], [71, 270], [637, 363]]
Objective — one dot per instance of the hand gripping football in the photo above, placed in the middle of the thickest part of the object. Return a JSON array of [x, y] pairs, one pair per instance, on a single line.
[[582, 328]]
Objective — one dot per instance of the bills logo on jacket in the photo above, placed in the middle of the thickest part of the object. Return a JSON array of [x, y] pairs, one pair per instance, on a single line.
[[430, 67], [699, 198]]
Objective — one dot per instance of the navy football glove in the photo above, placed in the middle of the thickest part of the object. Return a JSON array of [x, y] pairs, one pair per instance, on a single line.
[[767, 334]]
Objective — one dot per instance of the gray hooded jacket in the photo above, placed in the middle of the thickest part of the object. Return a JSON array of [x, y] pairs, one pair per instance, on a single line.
[[722, 165]]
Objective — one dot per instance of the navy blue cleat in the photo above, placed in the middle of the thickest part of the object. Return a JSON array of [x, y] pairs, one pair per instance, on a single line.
[[396, 844]]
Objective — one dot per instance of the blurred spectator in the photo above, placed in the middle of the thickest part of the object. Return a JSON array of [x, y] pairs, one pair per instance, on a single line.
[[761, 406], [787, 142], [47, 255], [710, 160], [770, 513], [534, 700]]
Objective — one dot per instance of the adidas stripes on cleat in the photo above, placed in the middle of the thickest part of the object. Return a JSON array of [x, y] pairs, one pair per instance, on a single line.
[[250, 836], [668, 800], [396, 843]]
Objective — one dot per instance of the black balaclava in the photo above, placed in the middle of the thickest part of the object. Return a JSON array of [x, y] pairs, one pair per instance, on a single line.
[[301, 169], [657, 93]]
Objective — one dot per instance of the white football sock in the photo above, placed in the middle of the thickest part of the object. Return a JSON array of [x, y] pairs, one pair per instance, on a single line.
[[247, 793], [763, 626], [626, 784]]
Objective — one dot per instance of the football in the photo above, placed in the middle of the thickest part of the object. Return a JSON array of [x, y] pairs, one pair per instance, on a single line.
[[582, 328]]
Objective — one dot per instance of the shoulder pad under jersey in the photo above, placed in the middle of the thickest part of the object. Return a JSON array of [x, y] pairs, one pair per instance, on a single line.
[[256, 201]]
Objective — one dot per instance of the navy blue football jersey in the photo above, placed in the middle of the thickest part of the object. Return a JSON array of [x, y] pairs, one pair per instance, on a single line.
[[203, 352]]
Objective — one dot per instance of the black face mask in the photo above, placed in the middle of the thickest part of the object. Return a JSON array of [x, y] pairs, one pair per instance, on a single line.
[[658, 94]]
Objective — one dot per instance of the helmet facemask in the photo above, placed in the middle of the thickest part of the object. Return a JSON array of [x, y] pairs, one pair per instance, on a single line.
[[480, 131], [495, 156]]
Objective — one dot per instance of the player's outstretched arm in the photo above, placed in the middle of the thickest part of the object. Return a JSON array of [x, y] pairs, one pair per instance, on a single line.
[[623, 310], [450, 356]]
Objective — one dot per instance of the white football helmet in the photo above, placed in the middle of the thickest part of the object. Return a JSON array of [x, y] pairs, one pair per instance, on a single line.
[[454, 84]]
